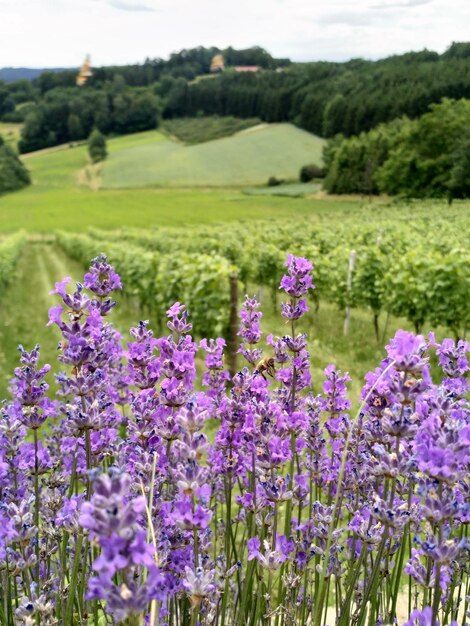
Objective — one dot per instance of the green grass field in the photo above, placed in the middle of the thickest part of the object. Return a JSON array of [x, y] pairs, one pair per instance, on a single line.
[[58, 199], [290, 190], [247, 158], [23, 314]]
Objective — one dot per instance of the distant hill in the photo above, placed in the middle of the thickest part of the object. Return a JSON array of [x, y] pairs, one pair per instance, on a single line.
[[10, 74], [246, 158]]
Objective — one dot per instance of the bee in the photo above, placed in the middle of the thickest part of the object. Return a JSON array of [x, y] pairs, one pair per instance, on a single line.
[[266, 365]]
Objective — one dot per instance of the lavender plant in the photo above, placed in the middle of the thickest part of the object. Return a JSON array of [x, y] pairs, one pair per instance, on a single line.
[[119, 504]]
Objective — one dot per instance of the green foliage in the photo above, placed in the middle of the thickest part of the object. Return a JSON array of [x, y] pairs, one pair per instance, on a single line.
[[459, 177], [330, 98], [309, 172], [333, 115], [323, 98], [97, 146], [274, 182], [13, 173], [10, 250], [10, 132], [201, 281], [74, 127], [15, 117], [410, 287], [353, 165], [451, 287], [7, 104], [158, 280], [70, 114], [398, 269], [192, 130], [426, 159], [36, 133]]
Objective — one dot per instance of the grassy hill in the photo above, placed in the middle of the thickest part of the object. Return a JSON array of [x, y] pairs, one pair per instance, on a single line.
[[58, 197], [247, 158]]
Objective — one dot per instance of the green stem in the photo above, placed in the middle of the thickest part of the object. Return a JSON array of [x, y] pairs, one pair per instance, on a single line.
[[399, 567], [36, 504], [373, 580], [322, 588], [68, 619]]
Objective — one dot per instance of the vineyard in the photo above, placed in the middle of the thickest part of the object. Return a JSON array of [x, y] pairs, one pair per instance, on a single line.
[[10, 250], [375, 272], [388, 266]]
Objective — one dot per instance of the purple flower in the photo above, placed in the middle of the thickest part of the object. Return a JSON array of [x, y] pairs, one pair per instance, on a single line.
[[178, 316], [102, 280], [254, 545], [198, 584], [424, 618], [250, 330], [271, 559], [298, 280], [407, 350], [294, 311], [60, 287]]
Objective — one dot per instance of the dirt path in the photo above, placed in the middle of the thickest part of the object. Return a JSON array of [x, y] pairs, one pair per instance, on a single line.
[[90, 176]]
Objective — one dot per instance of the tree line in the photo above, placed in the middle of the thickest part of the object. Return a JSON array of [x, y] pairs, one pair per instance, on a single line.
[[322, 97], [426, 157], [329, 98], [116, 100], [69, 114]]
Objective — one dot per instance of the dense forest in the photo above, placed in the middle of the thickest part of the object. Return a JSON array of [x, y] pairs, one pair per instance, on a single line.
[[426, 157], [330, 98], [322, 97]]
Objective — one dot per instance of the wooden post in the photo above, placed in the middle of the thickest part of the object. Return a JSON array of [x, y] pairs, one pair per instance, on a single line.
[[347, 317], [232, 343]]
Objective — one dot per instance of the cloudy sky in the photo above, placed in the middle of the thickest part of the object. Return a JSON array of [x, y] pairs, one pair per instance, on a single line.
[[48, 33]]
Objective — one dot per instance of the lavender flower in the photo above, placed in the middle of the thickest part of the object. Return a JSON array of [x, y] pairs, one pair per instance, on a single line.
[[134, 496], [424, 618]]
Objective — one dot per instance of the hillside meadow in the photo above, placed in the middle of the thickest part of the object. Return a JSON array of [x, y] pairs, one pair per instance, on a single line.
[[246, 158], [67, 192]]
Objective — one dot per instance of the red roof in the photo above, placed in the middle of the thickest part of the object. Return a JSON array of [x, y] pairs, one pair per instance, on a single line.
[[247, 68]]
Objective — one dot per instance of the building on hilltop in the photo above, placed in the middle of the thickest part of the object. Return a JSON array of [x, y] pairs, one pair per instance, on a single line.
[[84, 72], [217, 64], [247, 68]]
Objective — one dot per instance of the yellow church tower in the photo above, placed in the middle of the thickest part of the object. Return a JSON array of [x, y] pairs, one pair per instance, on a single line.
[[84, 72], [217, 64]]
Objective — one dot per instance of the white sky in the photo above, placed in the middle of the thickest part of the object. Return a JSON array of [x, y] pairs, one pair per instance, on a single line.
[[58, 33]]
